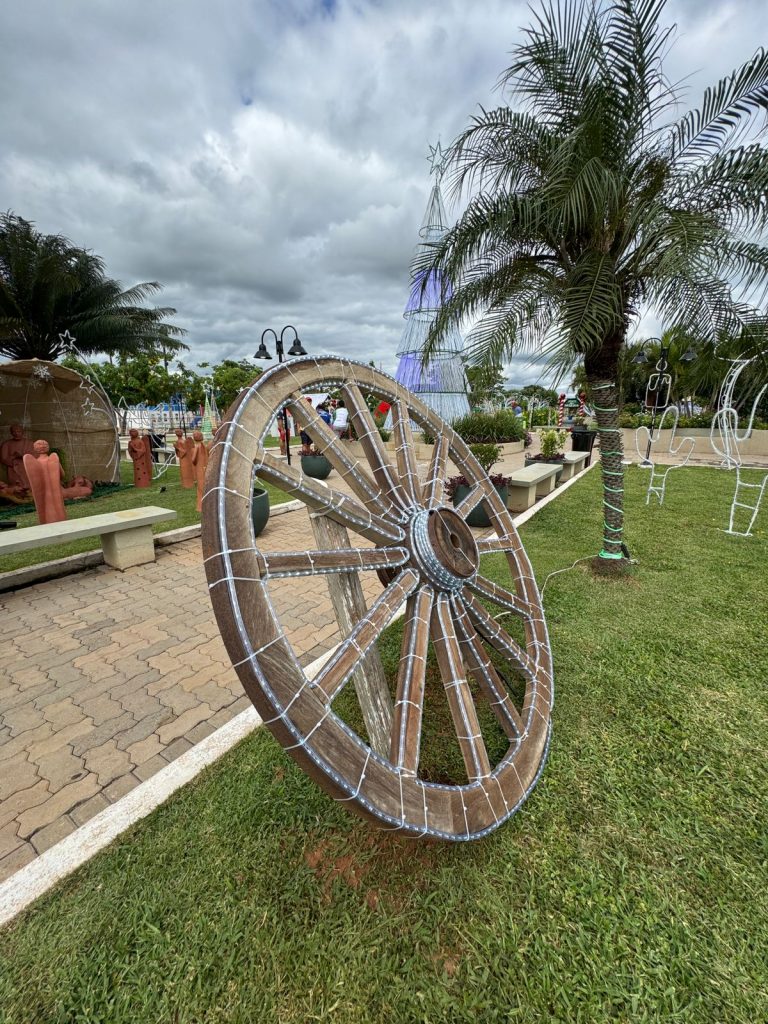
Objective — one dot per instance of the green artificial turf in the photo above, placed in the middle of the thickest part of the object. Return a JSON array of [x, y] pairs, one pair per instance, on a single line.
[[173, 496], [630, 887]]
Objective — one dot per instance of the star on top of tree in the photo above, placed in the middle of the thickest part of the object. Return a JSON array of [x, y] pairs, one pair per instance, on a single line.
[[67, 342], [438, 158]]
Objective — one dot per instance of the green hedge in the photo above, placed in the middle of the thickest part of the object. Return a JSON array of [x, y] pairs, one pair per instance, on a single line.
[[490, 427]]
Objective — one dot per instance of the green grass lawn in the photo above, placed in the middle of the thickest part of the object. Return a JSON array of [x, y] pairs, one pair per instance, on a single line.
[[630, 887], [173, 496]]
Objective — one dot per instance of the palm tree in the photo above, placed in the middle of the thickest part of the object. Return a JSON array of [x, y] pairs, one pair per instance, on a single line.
[[595, 200], [48, 286]]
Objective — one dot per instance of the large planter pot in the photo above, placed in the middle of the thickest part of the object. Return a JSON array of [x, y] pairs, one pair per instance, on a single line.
[[582, 439], [259, 510], [530, 461], [478, 516], [316, 466]]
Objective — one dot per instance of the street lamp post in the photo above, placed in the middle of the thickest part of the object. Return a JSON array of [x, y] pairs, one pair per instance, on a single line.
[[658, 389], [296, 349]]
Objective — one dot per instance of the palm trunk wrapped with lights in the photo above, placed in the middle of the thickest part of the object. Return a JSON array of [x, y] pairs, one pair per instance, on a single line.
[[605, 402]]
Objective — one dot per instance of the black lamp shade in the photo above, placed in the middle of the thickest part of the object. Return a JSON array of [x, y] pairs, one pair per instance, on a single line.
[[640, 358], [297, 349], [688, 356], [261, 352]]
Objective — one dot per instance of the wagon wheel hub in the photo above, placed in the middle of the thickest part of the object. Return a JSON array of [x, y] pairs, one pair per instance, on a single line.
[[443, 548]]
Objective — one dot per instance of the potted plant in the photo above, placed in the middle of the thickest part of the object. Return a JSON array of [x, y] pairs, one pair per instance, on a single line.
[[315, 464], [259, 509], [458, 487], [552, 443]]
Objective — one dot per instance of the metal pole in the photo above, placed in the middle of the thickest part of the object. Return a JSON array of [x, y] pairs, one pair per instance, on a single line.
[[279, 348]]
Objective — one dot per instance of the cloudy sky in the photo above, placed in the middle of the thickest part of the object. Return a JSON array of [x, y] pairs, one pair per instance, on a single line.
[[265, 159]]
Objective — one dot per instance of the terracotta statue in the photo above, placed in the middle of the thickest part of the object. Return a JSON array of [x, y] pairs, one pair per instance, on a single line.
[[12, 452], [44, 472], [200, 462], [14, 493], [139, 452], [184, 446], [78, 487]]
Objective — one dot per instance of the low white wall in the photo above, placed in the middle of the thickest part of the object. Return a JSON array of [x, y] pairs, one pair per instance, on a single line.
[[757, 444]]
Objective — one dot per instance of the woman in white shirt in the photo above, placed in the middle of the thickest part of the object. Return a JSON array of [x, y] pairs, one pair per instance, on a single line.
[[341, 419]]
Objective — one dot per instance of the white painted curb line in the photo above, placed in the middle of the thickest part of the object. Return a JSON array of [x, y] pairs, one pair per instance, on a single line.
[[36, 878]]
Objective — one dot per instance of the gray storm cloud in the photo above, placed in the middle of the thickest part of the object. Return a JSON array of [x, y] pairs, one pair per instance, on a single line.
[[266, 162]]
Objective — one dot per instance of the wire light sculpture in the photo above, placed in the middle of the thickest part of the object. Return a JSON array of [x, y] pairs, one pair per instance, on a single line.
[[442, 382], [646, 442], [726, 441]]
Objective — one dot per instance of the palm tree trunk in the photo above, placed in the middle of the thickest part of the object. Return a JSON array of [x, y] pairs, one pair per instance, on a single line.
[[605, 402]]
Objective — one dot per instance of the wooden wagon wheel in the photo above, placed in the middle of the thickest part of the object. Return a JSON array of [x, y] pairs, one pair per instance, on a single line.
[[427, 559]]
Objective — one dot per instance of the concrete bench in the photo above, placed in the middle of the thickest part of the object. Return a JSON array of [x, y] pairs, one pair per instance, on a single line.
[[573, 463], [126, 537], [526, 485]]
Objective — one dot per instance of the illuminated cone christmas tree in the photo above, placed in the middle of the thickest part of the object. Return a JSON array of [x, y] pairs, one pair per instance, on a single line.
[[442, 383]]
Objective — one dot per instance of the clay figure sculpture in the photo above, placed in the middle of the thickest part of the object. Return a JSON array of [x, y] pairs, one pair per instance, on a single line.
[[44, 473], [184, 446], [200, 462], [12, 452], [14, 494], [142, 460], [78, 487]]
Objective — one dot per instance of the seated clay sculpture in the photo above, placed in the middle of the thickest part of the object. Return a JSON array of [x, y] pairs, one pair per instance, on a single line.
[[12, 452]]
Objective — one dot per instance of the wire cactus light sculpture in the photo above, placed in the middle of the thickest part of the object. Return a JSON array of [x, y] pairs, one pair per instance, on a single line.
[[649, 449], [727, 439], [492, 677]]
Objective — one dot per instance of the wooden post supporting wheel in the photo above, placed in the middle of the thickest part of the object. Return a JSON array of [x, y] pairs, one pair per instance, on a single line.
[[428, 560]]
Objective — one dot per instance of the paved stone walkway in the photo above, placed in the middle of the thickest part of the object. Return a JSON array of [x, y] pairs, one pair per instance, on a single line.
[[107, 677]]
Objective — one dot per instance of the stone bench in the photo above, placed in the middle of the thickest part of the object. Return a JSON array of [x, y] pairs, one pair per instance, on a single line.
[[573, 463], [526, 485], [126, 537]]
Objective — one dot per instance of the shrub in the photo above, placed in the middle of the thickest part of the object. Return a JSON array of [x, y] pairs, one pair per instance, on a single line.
[[552, 442], [490, 427], [497, 479], [486, 454]]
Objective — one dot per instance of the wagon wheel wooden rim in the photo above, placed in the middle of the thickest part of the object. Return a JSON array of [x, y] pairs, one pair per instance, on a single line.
[[426, 557]]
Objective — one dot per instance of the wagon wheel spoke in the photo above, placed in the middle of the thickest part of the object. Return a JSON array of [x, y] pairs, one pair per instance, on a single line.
[[433, 485], [460, 701], [337, 671], [498, 638], [484, 673], [471, 501], [370, 439], [497, 543], [404, 451], [282, 564], [501, 596], [350, 469], [411, 674], [320, 498]]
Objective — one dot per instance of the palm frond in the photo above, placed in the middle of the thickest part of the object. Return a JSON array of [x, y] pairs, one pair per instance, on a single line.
[[712, 127]]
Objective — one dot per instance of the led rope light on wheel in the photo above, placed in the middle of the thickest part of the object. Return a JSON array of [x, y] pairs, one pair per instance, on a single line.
[[425, 557]]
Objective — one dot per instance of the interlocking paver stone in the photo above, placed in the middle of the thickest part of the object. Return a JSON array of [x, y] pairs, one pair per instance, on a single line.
[[59, 804], [53, 833], [108, 761]]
